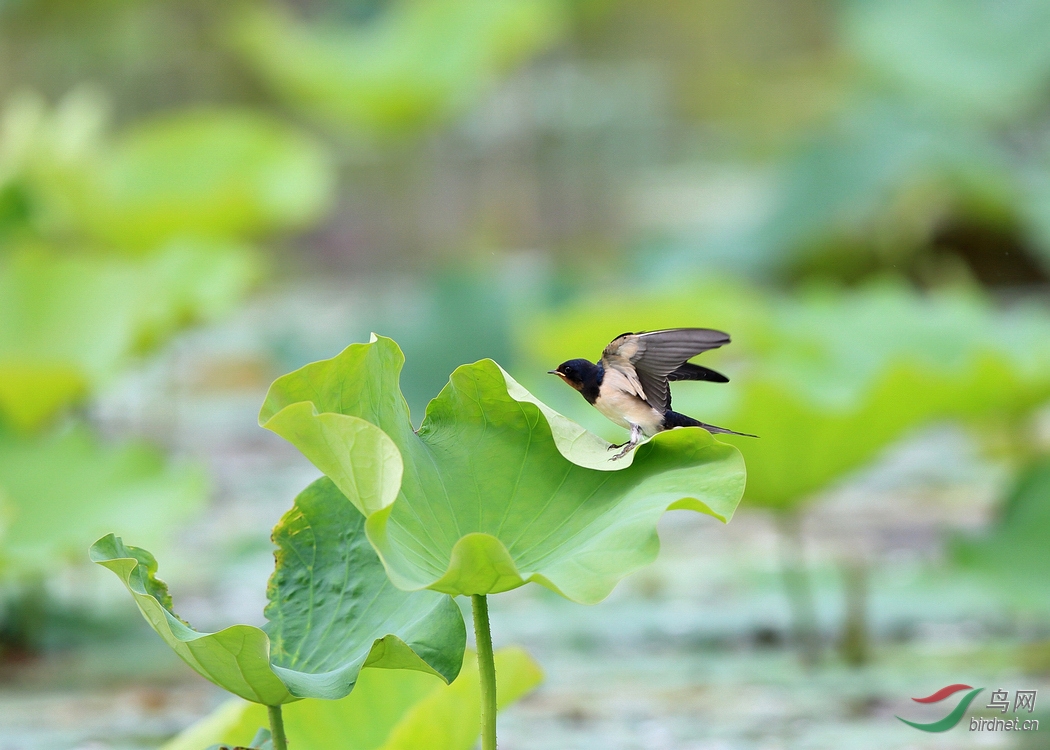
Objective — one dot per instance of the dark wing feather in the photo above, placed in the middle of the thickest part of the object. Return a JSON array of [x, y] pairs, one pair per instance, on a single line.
[[655, 355], [689, 371]]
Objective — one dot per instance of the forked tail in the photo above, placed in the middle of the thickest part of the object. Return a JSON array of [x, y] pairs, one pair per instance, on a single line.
[[674, 419]]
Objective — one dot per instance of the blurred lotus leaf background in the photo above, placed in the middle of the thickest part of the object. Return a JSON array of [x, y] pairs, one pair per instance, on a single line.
[[414, 66], [198, 197]]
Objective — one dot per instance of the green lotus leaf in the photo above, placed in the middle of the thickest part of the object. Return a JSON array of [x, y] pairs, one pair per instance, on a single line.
[[69, 322], [388, 710], [495, 489], [67, 488], [222, 174], [331, 612], [415, 65]]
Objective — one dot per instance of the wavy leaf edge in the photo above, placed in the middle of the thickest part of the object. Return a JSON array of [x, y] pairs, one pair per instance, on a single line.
[[137, 569]]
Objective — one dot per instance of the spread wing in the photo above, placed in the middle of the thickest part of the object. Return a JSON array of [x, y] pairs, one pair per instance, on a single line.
[[655, 355]]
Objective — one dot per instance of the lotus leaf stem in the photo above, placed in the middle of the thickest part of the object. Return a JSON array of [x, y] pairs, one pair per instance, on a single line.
[[487, 668], [280, 742]]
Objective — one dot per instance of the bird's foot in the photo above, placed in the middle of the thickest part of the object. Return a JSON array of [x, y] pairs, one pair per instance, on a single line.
[[614, 447], [627, 448]]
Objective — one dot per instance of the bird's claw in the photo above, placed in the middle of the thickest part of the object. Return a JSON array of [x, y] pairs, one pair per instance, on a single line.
[[627, 448], [614, 447]]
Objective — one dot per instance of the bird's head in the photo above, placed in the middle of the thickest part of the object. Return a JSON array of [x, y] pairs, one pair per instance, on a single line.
[[575, 372]]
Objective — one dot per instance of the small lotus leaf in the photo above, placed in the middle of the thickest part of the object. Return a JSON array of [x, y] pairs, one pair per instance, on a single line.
[[331, 612], [388, 710], [495, 489]]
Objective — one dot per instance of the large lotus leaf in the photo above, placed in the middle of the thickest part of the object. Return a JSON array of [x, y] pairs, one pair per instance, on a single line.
[[331, 612], [494, 489], [68, 322], [415, 65], [969, 56], [829, 380], [388, 710], [207, 173], [65, 489]]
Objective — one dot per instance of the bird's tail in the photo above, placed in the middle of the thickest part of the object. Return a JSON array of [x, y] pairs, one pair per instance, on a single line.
[[674, 419]]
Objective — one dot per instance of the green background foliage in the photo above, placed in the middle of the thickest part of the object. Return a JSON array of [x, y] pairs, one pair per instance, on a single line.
[[1012, 555], [420, 63], [57, 488], [69, 324]]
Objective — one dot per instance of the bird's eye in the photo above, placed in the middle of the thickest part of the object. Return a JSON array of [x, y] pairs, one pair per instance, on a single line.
[[568, 371]]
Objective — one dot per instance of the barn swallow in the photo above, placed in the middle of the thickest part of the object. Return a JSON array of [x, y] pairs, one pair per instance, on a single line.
[[630, 383]]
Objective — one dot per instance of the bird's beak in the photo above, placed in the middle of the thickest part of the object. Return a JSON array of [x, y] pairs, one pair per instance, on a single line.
[[553, 372]]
